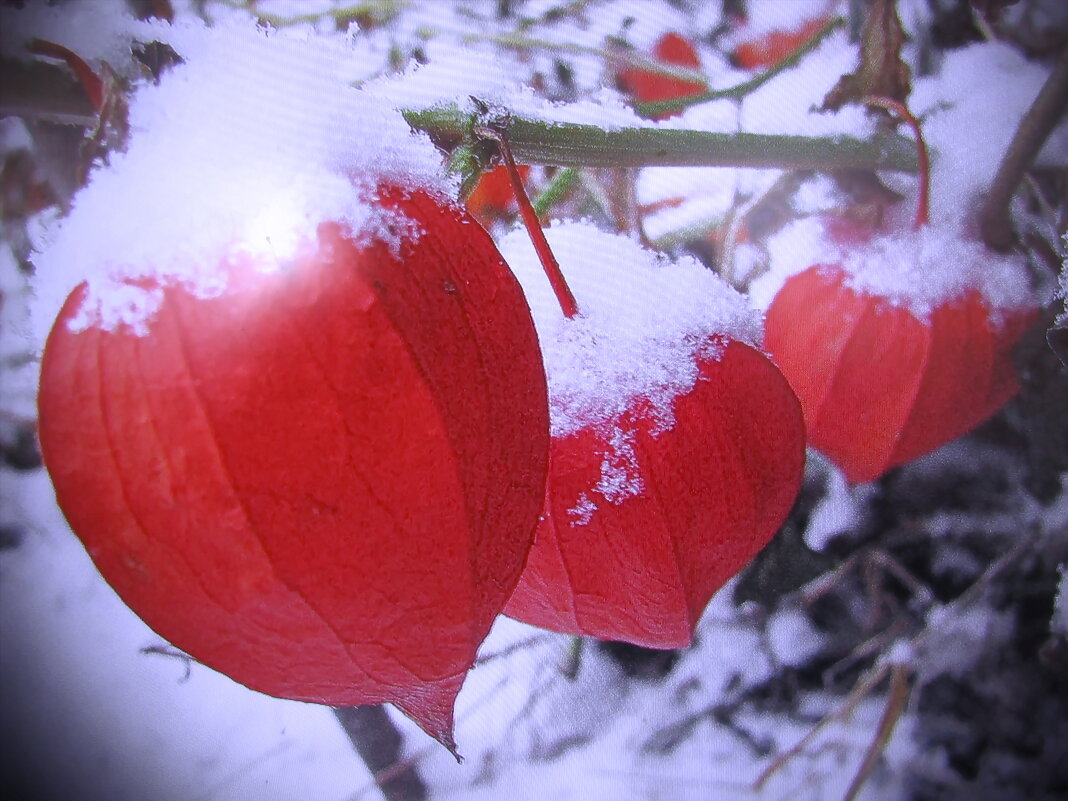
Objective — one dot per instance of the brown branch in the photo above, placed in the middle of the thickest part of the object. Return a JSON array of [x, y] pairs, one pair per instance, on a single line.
[[378, 742], [995, 224]]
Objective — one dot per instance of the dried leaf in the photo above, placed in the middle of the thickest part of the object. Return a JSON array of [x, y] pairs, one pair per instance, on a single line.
[[880, 70]]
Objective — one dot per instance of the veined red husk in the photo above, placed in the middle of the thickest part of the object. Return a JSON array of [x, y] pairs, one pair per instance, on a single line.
[[323, 482], [648, 87], [715, 487], [878, 386]]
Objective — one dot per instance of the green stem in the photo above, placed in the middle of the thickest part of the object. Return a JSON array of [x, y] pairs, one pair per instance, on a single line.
[[555, 191], [536, 141], [377, 11], [741, 90]]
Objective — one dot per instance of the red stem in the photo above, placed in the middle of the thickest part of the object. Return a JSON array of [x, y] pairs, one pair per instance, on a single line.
[[533, 225], [90, 81], [901, 110]]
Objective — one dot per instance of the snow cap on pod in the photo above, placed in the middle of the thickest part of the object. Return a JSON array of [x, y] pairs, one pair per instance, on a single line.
[[248, 145], [643, 322]]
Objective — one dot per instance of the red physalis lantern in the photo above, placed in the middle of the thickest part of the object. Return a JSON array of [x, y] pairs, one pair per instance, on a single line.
[[492, 195], [323, 480], [677, 447], [903, 342], [880, 385], [649, 87], [771, 47]]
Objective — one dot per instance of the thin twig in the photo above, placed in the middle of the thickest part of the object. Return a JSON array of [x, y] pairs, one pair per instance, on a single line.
[[653, 109], [1037, 124], [563, 293], [552, 194], [860, 691], [896, 701]]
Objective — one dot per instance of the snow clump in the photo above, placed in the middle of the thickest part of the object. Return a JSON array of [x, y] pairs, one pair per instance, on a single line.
[[247, 146]]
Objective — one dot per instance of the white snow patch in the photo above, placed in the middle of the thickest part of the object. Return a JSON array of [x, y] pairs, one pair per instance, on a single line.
[[918, 270], [793, 248], [839, 510], [970, 110], [787, 103], [99, 31], [14, 136], [792, 637], [249, 145], [921, 270], [957, 637], [18, 382], [784, 16], [643, 322]]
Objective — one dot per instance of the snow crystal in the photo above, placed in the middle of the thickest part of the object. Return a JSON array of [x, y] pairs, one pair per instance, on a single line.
[[917, 270], [643, 320], [249, 145]]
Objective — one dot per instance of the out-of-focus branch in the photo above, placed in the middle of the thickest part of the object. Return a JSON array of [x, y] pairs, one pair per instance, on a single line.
[[995, 224], [378, 742]]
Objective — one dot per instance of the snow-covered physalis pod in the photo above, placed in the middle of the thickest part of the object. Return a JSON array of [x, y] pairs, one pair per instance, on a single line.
[[324, 479], [677, 446], [647, 86], [879, 384]]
